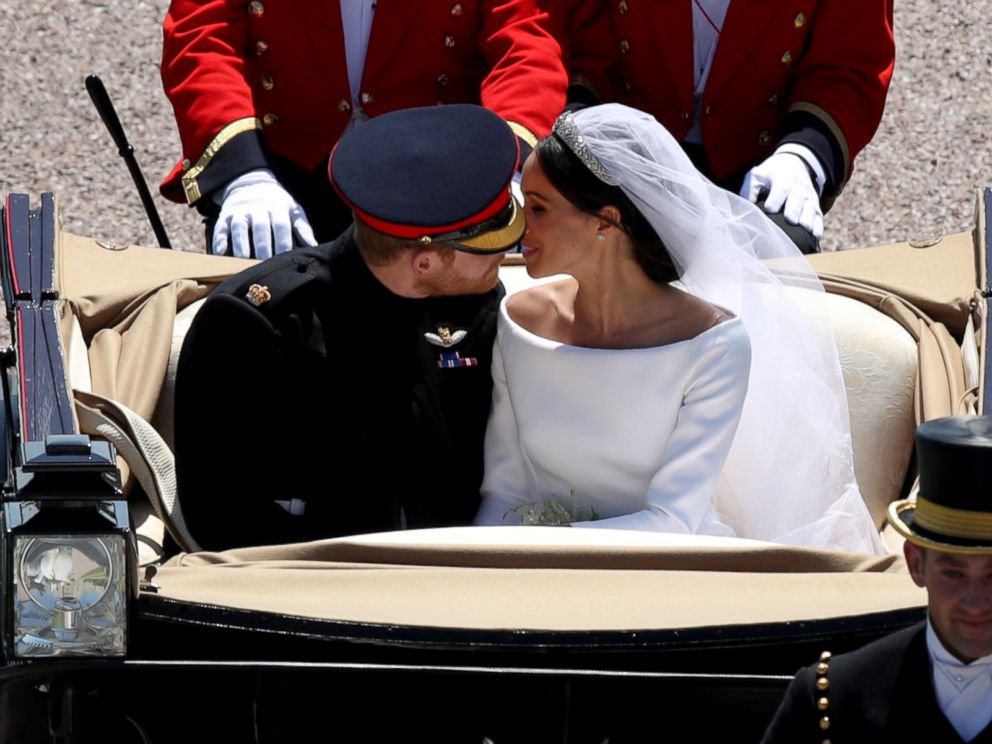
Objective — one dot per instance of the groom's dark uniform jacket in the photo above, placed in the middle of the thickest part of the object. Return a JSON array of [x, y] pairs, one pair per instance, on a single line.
[[304, 378], [880, 693]]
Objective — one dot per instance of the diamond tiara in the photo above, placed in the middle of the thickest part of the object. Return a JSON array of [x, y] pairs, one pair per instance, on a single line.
[[567, 131]]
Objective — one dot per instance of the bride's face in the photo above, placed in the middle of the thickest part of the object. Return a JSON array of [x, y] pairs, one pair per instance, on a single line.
[[558, 234]]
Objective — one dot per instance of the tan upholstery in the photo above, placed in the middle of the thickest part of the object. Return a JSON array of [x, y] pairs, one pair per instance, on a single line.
[[878, 359]]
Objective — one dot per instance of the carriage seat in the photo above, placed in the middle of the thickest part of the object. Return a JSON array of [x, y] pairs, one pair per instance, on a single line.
[[879, 362]]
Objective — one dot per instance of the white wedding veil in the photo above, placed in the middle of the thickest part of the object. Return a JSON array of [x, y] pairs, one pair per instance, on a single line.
[[789, 476]]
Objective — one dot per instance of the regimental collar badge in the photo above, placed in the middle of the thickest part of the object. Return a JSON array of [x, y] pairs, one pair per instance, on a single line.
[[444, 337], [258, 294]]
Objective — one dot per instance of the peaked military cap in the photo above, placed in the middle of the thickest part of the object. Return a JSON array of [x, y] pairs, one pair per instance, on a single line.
[[953, 510], [433, 174]]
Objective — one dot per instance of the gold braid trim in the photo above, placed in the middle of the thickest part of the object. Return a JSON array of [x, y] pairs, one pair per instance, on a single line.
[[225, 135], [523, 133], [835, 130], [952, 522]]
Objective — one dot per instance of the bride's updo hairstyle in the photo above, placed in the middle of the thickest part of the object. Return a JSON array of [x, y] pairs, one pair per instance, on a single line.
[[586, 192]]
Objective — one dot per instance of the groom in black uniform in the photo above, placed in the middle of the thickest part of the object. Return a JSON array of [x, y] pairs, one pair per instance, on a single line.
[[345, 388], [931, 682]]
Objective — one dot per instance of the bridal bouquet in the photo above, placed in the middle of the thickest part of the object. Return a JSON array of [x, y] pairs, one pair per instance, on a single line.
[[553, 513]]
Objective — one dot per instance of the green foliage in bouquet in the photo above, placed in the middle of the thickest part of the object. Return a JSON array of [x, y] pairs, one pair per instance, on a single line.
[[553, 513]]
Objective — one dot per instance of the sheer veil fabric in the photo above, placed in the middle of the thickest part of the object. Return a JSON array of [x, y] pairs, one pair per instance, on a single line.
[[789, 477]]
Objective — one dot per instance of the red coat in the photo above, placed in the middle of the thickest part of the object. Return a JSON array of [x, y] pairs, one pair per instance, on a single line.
[[830, 58], [283, 62]]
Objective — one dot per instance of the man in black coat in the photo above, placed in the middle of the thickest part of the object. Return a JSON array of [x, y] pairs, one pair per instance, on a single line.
[[933, 681], [345, 388]]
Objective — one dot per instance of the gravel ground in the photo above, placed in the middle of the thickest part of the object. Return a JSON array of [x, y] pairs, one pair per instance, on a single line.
[[917, 177]]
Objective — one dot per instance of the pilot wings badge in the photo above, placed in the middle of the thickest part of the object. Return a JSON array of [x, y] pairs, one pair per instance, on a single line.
[[444, 337]]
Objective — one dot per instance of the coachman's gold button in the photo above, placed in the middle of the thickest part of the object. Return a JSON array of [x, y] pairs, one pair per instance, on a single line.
[[622, 6], [787, 58], [707, 111], [773, 100], [187, 164], [261, 47], [270, 120], [822, 683], [449, 41], [443, 80], [685, 116], [343, 106], [267, 82], [367, 98], [825, 723], [823, 703], [800, 20], [457, 10], [764, 138], [624, 46], [256, 8]]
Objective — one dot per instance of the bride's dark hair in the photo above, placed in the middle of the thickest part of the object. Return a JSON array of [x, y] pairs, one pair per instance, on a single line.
[[589, 194]]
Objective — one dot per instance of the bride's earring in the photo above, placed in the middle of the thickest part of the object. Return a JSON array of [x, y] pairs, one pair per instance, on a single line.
[[600, 236]]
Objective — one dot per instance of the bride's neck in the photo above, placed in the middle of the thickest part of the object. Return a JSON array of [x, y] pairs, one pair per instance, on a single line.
[[614, 297]]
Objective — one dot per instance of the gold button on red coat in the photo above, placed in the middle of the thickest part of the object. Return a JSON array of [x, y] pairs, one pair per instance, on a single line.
[[449, 41], [256, 9], [267, 82], [624, 46], [270, 120], [367, 98], [457, 10], [800, 20], [787, 58], [187, 164], [344, 106], [622, 6], [443, 80], [261, 47], [764, 138], [773, 99]]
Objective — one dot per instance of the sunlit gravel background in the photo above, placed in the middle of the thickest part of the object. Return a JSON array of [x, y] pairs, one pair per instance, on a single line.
[[917, 178]]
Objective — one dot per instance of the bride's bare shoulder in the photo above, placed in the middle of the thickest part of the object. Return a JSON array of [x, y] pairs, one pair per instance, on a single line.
[[538, 308]]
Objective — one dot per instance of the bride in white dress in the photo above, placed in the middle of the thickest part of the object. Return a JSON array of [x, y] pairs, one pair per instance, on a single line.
[[621, 400]]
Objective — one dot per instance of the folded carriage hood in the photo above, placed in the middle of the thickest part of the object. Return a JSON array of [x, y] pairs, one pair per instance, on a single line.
[[541, 578]]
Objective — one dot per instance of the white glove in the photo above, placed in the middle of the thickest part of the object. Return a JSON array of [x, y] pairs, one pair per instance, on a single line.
[[256, 200], [786, 179]]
